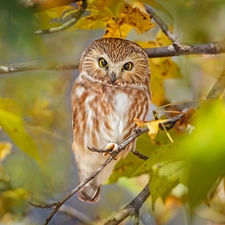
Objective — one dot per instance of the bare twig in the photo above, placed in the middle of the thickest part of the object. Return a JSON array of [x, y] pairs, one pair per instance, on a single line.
[[76, 214], [218, 88], [39, 65], [163, 26], [131, 209], [136, 219], [75, 17], [51, 205], [139, 155], [206, 49]]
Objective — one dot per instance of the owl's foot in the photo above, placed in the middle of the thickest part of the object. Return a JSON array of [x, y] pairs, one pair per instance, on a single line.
[[111, 148]]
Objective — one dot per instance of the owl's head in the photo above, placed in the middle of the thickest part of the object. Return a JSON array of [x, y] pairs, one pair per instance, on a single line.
[[116, 62]]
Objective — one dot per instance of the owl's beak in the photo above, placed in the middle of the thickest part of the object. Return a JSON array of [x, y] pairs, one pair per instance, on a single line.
[[113, 77]]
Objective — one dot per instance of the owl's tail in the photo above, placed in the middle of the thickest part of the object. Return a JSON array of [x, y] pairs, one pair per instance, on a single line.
[[89, 193]]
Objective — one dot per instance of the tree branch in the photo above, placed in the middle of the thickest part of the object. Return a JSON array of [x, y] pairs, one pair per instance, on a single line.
[[131, 209], [167, 51], [212, 48], [39, 65], [162, 25], [113, 155]]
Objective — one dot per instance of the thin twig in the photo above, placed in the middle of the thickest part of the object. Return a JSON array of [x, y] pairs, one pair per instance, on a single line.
[[139, 155], [39, 65], [136, 219], [51, 205], [75, 17], [162, 25], [76, 214], [218, 88], [132, 208], [167, 51]]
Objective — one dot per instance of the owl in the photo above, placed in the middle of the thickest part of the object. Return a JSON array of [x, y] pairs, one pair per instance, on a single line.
[[111, 90]]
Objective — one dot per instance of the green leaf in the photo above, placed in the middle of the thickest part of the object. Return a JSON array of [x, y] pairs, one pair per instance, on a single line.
[[165, 177], [205, 150], [164, 154], [14, 126], [127, 166]]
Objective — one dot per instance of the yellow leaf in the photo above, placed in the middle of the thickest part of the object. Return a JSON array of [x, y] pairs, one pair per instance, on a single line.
[[44, 20], [140, 123], [14, 126], [128, 18], [113, 5], [103, 3], [152, 125], [5, 149], [97, 19]]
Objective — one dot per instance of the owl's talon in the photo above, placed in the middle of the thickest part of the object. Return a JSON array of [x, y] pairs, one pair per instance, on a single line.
[[111, 149]]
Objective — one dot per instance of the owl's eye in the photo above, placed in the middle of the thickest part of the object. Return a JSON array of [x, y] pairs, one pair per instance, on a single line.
[[128, 66], [102, 63]]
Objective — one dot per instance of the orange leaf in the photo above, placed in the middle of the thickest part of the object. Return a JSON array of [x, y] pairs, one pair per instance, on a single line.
[[184, 121]]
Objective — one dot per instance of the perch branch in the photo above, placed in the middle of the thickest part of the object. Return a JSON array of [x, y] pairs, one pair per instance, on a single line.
[[132, 209], [121, 147], [75, 17], [58, 204], [167, 51], [163, 26], [113, 154]]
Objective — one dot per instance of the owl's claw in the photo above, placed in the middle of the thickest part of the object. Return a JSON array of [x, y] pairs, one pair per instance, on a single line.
[[111, 149]]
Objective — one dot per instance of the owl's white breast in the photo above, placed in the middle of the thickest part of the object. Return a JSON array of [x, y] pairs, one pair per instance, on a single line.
[[105, 113], [122, 105]]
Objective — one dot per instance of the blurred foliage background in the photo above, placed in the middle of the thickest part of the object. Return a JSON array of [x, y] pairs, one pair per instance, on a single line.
[[36, 161]]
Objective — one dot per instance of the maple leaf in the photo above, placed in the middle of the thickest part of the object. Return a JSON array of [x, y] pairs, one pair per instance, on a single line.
[[128, 18]]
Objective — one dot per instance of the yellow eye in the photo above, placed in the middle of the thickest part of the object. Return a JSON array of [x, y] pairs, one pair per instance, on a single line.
[[102, 63], [128, 66]]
